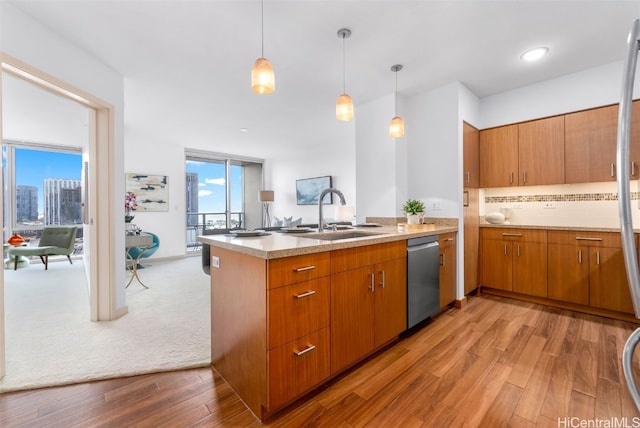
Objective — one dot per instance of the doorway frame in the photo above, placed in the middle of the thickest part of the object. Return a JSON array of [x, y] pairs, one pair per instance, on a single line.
[[99, 225]]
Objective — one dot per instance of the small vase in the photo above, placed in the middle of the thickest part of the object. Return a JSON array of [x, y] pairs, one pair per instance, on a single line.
[[415, 218], [15, 239], [128, 218]]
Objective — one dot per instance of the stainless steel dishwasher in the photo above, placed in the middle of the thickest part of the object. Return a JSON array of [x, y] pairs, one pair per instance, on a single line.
[[423, 279]]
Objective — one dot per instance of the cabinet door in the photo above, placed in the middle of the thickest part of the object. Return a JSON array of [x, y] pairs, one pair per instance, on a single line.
[[590, 145], [470, 156], [541, 151], [352, 316], [447, 269], [530, 268], [499, 156], [471, 241], [497, 267], [568, 273], [608, 286], [390, 300]]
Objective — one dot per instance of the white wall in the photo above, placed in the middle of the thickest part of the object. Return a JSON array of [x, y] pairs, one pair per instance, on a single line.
[[577, 91], [30, 42], [161, 158], [381, 172], [336, 160]]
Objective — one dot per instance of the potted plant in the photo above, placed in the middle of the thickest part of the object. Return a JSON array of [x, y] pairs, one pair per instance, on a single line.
[[130, 204], [414, 210]]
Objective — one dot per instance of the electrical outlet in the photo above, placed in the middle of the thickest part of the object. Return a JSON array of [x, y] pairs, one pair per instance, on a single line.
[[549, 205], [517, 206], [436, 205]]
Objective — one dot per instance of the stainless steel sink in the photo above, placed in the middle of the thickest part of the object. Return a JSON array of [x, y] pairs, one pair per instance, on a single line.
[[334, 236]]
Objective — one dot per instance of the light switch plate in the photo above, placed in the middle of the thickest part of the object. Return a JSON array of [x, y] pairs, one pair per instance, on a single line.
[[215, 261]]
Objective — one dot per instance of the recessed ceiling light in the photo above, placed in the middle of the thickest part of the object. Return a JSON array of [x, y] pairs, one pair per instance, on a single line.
[[534, 54], [244, 129]]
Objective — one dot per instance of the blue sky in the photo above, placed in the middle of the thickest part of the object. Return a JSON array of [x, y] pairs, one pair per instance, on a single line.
[[211, 186], [33, 166]]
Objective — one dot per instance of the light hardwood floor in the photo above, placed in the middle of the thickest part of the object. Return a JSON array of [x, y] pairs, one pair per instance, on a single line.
[[497, 362]]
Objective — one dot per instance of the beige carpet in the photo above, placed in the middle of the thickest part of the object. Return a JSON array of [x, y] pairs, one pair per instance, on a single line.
[[50, 340]]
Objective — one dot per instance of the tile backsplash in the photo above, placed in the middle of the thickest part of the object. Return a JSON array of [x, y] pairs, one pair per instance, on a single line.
[[585, 204]]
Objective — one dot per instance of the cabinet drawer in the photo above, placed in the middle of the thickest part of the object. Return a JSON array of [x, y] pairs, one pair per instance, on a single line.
[[512, 234], [356, 257], [297, 367], [591, 239], [297, 310], [290, 270]]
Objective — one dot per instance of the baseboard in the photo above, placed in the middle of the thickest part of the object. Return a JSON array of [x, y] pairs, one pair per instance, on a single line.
[[460, 303], [122, 311]]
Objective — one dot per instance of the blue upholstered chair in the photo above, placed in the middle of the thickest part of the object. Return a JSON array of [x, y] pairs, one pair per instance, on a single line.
[[55, 240], [143, 252]]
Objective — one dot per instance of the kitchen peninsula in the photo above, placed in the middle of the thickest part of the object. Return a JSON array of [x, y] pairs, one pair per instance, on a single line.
[[289, 311]]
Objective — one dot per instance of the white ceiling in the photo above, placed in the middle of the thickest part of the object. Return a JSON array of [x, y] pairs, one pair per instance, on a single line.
[[187, 63]]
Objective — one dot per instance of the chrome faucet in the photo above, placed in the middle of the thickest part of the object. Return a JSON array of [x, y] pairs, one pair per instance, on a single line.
[[320, 200]]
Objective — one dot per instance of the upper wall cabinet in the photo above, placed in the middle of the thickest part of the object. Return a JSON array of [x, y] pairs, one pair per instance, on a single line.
[[590, 144], [499, 156], [471, 156], [530, 153], [541, 151]]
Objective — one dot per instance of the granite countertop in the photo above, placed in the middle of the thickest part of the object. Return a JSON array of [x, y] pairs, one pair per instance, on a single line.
[[278, 244]]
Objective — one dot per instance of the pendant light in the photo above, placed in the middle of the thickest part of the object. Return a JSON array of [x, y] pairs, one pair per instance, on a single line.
[[344, 105], [396, 128], [263, 80]]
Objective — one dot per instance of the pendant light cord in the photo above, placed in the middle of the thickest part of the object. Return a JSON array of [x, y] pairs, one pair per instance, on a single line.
[[395, 98], [262, 28], [344, 67]]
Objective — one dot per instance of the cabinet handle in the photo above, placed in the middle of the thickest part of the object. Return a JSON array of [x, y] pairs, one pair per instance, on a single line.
[[519, 235], [505, 249], [305, 350], [307, 294], [468, 176], [442, 259], [372, 287], [381, 273], [448, 239], [586, 238], [302, 269], [633, 168], [511, 178], [518, 250], [524, 177], [611, 169], [579, 256], [597, 257]]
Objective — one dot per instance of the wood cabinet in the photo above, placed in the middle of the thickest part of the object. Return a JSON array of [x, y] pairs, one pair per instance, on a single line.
[[499, 156], [590, 144], [447, 242], [529, 153], [541, 151], [368, 300], [515, 260], [587, 268], [471, 211], [470, 156]]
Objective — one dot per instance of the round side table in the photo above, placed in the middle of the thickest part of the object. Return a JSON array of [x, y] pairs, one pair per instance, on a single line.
[[8, 261]]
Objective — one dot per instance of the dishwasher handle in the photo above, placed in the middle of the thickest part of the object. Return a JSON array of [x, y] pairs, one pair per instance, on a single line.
[[422, 247]]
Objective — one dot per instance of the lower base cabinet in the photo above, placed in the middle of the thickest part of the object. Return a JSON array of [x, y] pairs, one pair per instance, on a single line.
[[368, 303], [448, 272]]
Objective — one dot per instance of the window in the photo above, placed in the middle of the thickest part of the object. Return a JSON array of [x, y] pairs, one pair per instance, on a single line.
[[222, 193], [42, 188]]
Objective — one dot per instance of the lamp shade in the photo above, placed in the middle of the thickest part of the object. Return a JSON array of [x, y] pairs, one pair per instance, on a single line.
[[396, 128], [266, 196], [344, 108], [343, 213], [263, 80]]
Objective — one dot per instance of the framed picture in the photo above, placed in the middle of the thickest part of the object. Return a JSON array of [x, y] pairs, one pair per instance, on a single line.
[[308, 190], [152, 191]]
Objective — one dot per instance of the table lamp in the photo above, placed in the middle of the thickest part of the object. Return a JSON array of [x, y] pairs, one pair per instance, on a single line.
[[265, 197]]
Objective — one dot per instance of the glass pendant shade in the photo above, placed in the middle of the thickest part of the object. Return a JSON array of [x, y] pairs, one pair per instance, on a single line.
[[396, 128], [344, 108], [263, 80]]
